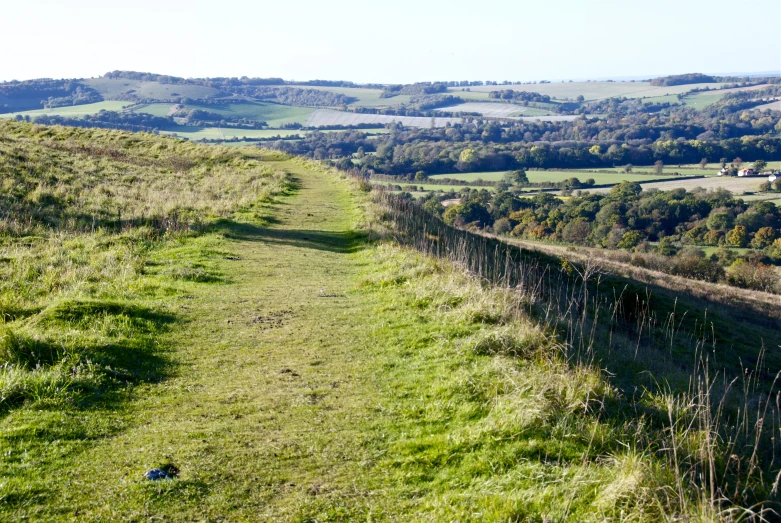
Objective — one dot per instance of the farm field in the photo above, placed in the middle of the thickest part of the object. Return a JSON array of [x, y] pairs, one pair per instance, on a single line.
[[273, 114], [735, 185], [213, 133], [706, 98], [764, 197], [72, 110], [113, 87], [552, 176], [594, 90], [773, 106], [667, 98], [711, 169], [160, 110], [684, 170], [432, 187], [320, 117], [491, 109]]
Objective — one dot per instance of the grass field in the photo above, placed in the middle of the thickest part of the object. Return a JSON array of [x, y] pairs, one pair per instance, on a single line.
[[684, 170], [551, 176], [161, 110], [704, 99], [733, 184], [72, 110], [594, 90], [113, 87], [273, 114]]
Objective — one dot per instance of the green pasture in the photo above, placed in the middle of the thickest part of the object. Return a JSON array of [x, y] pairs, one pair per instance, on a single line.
[[72, 110], [273, 114], [703, 99], [684, 170], [161, 110], [667, 98]]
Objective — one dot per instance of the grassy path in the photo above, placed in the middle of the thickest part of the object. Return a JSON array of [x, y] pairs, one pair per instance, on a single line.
[[325, 380], [263, 413]]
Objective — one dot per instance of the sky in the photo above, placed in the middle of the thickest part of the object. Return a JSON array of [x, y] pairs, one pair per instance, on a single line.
[[397, 41]]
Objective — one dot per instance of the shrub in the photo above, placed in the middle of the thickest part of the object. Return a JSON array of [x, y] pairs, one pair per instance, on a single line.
[[758, 276], [502, 226]]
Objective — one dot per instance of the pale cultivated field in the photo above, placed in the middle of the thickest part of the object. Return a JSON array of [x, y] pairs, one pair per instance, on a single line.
[[495, 110], [774, 106], [593, 90], [731, 183], [331, 117]]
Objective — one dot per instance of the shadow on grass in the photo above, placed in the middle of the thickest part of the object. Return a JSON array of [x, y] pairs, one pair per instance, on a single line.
[[332, 241], [83, 352]]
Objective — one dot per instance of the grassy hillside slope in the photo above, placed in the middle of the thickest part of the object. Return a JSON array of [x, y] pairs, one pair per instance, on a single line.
[[288, 365]]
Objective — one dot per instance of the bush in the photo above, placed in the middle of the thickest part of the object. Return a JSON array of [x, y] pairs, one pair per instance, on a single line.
[[758, 276], [502, 226]]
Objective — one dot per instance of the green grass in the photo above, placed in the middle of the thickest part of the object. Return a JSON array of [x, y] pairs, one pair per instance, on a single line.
[[667, 98], [273, 114], [554, 176], [294, 368], [704, 99], [161, 110], [668, 170], [72, 110]]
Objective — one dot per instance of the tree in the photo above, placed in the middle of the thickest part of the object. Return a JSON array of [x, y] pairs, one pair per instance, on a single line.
[[576, 232], [666, 247], [737, 162], [760, 165], [502, 226], [763, 238], [719, 220], [420, 176], [517, 177], [595, 149], [628, 168], [629, 240], [658, 167], [737, 237], [581, 98], [703, 163]]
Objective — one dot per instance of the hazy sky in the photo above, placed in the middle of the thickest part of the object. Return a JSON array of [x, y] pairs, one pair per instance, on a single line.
[[390, 40]]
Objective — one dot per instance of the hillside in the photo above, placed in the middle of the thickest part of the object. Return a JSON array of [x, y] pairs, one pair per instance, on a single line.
[[292, 348]]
